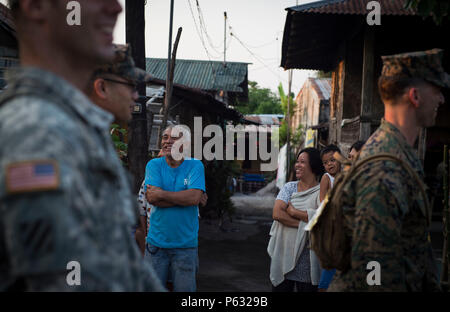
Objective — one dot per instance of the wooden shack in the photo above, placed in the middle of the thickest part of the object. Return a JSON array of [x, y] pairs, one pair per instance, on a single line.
[[333, 35], [8, 43]]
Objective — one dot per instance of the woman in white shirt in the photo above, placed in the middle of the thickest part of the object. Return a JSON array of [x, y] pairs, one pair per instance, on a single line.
[[294, 267]]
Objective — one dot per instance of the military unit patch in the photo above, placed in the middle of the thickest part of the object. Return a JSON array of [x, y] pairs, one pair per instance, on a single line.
[[32, 176]]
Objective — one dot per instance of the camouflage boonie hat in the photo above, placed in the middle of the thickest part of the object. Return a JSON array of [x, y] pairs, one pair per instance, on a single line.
[[424, 64], [123, 65]]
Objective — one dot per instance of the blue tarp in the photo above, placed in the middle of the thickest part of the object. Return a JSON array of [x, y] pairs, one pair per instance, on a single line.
[[252, 177]]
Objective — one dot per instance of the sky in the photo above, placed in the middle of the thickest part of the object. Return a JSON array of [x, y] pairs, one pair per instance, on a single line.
[[257, 26]]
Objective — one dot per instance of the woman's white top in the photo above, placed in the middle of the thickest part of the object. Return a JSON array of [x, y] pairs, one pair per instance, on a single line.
[[286, 243]]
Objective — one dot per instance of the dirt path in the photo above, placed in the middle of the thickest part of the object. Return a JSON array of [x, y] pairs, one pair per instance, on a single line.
[[234, 260]]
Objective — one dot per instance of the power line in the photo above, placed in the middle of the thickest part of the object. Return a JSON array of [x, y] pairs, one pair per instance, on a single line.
[[254, 55], [203, 27], [264, 44], [199, 33], [203, 42]]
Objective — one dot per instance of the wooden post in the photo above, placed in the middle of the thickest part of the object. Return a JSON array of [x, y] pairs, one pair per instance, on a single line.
[[422, 146], [445, 272], [169, 85], [367, 84], [288, 124], [340, 101], [138, 139]]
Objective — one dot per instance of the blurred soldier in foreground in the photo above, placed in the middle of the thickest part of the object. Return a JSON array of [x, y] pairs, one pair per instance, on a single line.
[[385, 213], [64, 196], [113, 88]]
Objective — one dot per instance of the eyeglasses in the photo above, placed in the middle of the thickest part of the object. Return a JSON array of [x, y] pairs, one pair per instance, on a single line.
[[130, 84]]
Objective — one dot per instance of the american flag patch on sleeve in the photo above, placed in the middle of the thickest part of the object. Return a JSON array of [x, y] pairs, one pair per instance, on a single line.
[[32, 176]]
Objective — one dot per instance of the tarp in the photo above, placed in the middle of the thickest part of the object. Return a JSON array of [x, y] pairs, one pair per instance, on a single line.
[[281, 173]]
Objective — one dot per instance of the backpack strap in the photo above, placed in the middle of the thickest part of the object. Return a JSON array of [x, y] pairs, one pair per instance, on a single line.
[[390, 157]]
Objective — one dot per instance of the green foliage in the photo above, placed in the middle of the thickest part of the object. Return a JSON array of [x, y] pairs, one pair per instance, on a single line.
[[260, 101], [219, 202], [439, 9], [283, 133], [284, 101], [121, 147], [297, 137], [322, 74]]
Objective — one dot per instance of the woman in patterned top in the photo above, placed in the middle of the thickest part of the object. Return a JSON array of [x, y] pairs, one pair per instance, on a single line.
[[291, 258]]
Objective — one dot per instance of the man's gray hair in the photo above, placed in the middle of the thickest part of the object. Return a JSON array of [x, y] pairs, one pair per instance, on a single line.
[[180, 129], [184, 141]]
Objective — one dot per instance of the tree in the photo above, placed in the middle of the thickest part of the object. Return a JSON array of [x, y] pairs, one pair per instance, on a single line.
[[284, 103], [439, 9], [260, 101], [137, 130], [322, 74]]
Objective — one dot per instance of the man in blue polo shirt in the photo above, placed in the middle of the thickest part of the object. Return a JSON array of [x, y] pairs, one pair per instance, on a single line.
[[174, 188]]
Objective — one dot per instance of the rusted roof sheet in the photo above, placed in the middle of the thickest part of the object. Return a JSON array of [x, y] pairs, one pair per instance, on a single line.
[[322, 86], [357, 7], [265, 119], [316, 34]]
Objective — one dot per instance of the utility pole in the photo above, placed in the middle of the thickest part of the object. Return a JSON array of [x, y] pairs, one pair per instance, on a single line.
[[225, 40], [137, 128], [288, 121], [169, 83], [168, 95]]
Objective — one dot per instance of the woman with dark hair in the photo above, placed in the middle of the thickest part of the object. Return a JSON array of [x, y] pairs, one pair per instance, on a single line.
[[355, 149], [294, 267]]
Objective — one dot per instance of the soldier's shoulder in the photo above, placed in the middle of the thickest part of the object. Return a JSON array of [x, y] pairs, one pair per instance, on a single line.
[[32, 128], [33, 109], [387, 172], [379, 142], [34, 114]]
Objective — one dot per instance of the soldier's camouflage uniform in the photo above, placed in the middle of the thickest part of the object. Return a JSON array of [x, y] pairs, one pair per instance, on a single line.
[[385, 222], [385, 214], [87, 215]]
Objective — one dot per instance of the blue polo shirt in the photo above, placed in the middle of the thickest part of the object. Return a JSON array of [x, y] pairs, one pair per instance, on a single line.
[[177, 226]]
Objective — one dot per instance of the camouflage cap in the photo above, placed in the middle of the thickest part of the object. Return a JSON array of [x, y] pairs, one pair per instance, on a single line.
[[423, 64], [124, 66]]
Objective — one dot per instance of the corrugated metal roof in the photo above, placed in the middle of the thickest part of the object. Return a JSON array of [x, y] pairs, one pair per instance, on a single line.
[[322, 86], [203, 100], [265, 119], [6, 18], [199, 74], [316, 34], [356, 7]]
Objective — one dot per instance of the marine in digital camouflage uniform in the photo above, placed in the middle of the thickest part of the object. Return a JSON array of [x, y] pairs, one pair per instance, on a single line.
[[384, 211], [64, 195]]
